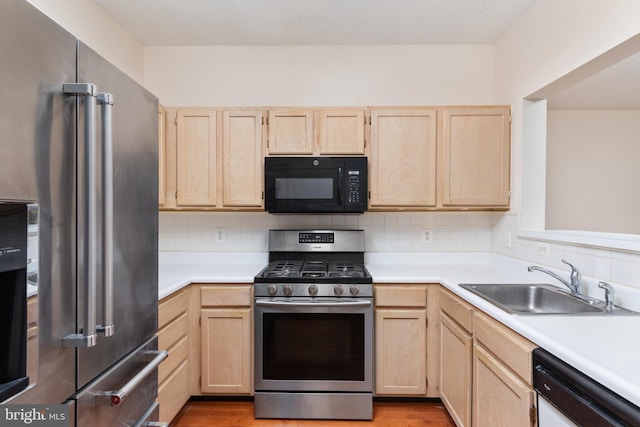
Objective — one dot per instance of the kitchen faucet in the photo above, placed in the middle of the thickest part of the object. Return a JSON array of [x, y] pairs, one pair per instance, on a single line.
[[575, 285]]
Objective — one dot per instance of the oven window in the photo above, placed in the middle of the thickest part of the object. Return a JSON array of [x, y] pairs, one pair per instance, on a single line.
[[315, 346], [304, 188]]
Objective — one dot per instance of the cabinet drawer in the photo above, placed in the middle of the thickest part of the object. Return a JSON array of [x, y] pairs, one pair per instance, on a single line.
[[171, 333], [177, 354], [457, 310], [227, 296], [400, 296], [505, 344], [172, 307], [174, 393]]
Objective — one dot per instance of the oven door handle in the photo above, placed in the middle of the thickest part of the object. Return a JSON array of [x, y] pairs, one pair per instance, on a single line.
[[359, 303]]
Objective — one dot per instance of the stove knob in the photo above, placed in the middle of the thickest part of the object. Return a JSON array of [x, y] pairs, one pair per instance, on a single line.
[[272, 290], [338, 289], [288, 290], [354, 290], [313, 289]]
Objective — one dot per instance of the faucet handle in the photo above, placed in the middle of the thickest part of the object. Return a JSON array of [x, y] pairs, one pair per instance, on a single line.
[[609, 293], [574, 270]]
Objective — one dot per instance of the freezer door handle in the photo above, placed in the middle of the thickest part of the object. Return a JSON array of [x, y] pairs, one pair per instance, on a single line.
[[147, 418], [89, 92], [105, 100], [114, 398]]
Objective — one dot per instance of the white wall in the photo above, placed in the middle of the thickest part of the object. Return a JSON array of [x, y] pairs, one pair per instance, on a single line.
[[97, 29], [320, 75], [592, 157], [552, 39]]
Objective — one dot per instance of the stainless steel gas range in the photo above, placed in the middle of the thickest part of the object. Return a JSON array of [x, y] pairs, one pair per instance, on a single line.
[[314, 327]]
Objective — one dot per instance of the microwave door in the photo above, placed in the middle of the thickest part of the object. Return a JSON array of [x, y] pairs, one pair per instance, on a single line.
[[303, 190]]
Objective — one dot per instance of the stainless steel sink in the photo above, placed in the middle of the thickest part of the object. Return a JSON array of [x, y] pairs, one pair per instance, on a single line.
[[536, 299]]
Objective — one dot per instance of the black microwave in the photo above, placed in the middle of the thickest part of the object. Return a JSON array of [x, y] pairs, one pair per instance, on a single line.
[[315, 184]]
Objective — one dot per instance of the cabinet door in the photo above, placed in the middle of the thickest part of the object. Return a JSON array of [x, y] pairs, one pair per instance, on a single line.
[[290, 132], [161, 158], [455, 370], [403, 158], [500, 399], [401, 346], [242, 158], [476, 156], [226, 351], [196, 152], [341, 131]]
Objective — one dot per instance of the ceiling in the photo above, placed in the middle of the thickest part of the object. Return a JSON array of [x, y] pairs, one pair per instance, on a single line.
[[315, 22], [357, 22]]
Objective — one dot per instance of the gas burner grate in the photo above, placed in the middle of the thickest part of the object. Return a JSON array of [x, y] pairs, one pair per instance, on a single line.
[[284, 269]]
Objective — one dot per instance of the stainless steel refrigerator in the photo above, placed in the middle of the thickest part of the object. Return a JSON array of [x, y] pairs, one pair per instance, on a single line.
[[78, 147]]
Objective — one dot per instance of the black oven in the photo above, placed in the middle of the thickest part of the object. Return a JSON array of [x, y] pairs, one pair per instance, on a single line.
[[315, 184]]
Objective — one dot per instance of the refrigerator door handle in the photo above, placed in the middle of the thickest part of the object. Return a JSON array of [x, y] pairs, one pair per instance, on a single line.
[[89, 92], [114, 398], [105, 100]]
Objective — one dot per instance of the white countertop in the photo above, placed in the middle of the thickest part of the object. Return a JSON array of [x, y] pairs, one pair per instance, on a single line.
[[178, 269], [604, 348]]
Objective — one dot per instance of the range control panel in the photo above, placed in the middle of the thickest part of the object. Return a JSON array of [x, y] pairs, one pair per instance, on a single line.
[[315, 238]]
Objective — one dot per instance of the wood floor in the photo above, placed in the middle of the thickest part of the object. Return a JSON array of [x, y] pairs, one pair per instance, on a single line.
[[395, 414]]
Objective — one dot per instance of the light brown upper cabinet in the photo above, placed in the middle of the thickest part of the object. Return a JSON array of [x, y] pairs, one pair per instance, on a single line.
[[290, 132], [305, 132], [420, 158], [213, 159], [196, 158], [402, 160], [341, 131], [476, 150], [161, 157], [242, 158], [167, 132]]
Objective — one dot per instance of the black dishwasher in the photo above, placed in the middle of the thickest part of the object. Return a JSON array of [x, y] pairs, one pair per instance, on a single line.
[[567, 397]]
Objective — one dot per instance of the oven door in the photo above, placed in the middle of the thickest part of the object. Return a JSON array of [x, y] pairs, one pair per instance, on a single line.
[[314, 344]]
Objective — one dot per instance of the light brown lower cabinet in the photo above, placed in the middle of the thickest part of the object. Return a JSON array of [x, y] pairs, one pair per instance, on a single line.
[[401, 351], [226, 338], [226, 351], [173, 336], [403, 314], [500, 398], [486, 368], [33, 355], [456, 347]]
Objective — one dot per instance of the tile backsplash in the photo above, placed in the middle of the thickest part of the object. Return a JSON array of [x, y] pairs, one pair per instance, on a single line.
[[384, 232], [495, 232], [616, 266]]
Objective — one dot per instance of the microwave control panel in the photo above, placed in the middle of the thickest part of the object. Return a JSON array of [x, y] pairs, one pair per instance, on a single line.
[[353, 187]]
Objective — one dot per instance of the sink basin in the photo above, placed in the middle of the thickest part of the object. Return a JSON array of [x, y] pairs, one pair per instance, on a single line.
[[535, 299]]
